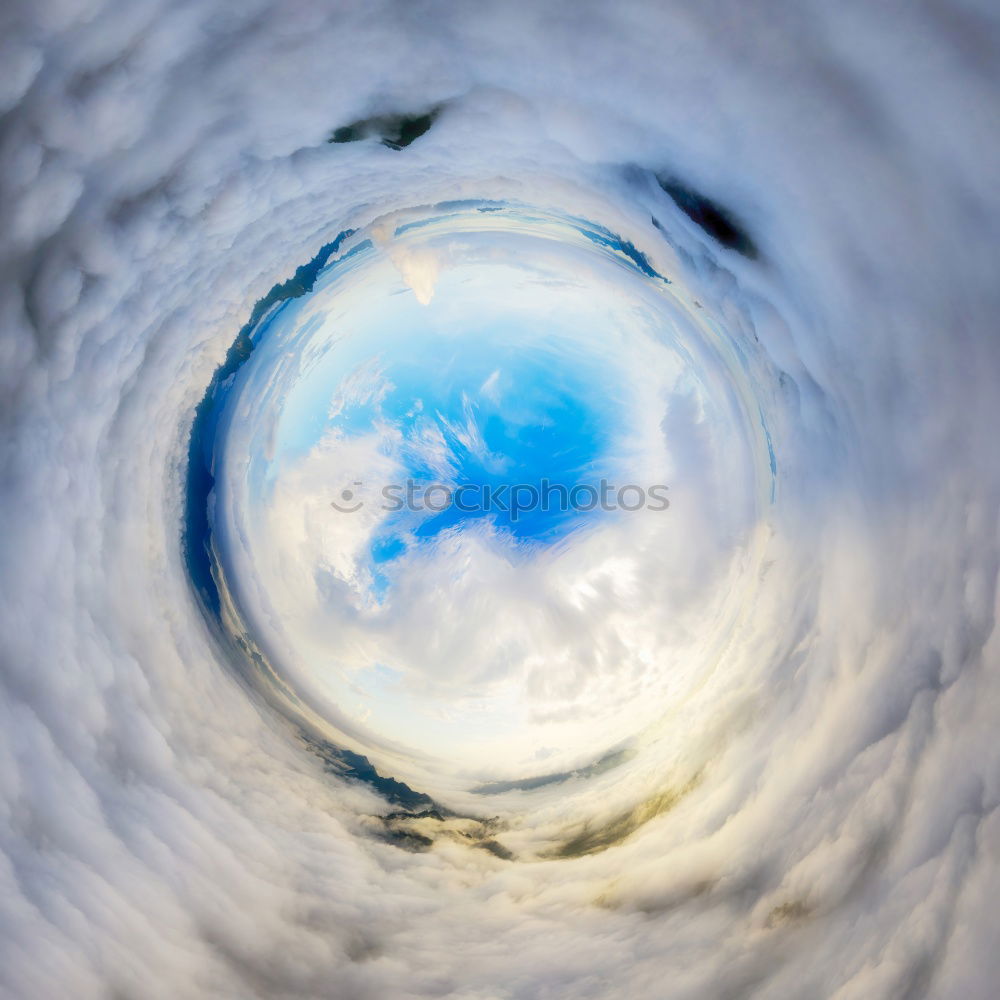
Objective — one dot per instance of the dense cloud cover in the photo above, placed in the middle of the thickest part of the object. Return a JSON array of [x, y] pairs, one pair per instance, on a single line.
[[812, 810]]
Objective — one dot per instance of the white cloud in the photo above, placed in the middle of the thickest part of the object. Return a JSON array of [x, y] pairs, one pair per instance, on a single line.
[[835, 774]]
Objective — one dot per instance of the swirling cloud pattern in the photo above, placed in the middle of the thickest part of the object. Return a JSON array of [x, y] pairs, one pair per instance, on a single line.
[[267, 733]]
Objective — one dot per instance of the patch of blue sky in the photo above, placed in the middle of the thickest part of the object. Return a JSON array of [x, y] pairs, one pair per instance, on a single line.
[[528, 394], [486, 421], [483, 413]]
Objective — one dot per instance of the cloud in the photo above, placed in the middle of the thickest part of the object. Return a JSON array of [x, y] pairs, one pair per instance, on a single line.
[[812, 807]]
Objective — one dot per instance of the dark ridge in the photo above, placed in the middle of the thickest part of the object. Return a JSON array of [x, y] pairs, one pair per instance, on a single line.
[[426, 814], [593, 840], [417, 831], [410, 129], [397, 827], [606, 763], [712, 217], [394, 131], [496, 849], [360, 768], [348, 133], [409, 840], [201, 445]]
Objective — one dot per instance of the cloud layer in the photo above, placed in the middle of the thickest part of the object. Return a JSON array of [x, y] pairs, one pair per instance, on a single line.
[[813, 811]]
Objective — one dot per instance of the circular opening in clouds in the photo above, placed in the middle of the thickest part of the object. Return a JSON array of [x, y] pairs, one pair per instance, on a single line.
[[541, 369]]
